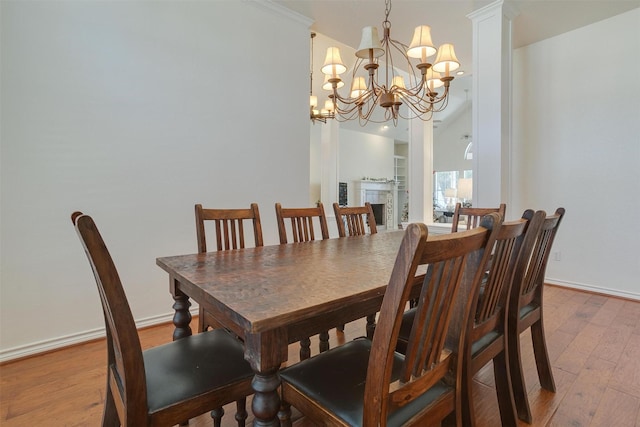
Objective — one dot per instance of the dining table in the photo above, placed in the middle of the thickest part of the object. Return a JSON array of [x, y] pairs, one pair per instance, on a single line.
[[272, 296]]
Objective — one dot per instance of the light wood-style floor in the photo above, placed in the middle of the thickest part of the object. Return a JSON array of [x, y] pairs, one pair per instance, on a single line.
[[594, 343]]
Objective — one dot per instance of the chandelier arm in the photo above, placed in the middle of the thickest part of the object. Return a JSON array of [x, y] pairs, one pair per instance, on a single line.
[[420, 112], [367, 108], [439, 99], [349, 106], [425, 117]]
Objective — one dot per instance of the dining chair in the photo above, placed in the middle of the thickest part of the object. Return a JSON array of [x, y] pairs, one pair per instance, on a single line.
[[167, 384], [357, 219], [366, 382], [301, 222], [229, 230], [526, 311], [486, 330], [473, 216]]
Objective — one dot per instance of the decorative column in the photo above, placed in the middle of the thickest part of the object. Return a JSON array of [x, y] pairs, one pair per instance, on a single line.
[[492, 96], [420, 179], [329, 143]]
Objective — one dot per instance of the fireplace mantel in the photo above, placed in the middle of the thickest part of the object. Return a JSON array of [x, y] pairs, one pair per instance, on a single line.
[[379, 193]]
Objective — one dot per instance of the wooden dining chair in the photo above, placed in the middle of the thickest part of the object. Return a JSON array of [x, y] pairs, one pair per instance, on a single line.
[[486, 330], [356, 218], [168, 384], [366, 382], [229, 230], [526, 311], [473, 216], [302, 228], [301, 223]]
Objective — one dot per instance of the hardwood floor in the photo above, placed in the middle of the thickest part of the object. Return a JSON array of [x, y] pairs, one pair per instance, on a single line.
[[594, 345]]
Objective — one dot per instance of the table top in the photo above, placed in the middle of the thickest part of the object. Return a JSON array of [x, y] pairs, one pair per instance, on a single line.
[[268, 287]]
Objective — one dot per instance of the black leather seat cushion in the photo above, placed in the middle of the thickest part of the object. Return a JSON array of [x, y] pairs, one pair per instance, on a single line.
[[336, 380], [192, 366]]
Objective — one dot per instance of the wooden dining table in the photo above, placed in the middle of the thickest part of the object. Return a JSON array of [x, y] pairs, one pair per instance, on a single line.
[[272, 296]]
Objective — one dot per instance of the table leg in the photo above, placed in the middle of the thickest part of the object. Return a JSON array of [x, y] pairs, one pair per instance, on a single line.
[[266, 401], [265, 352], [182, 315]]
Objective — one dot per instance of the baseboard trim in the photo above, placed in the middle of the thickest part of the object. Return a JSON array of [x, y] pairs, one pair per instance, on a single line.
[[594, 289], [46, 346]]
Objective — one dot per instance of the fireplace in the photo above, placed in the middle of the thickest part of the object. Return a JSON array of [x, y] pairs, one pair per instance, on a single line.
[[378, 212], [382, 196]]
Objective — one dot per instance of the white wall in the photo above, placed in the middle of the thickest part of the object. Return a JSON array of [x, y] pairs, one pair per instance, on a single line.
[[363, 155], [449, 145], [133, 112], [576, 144]]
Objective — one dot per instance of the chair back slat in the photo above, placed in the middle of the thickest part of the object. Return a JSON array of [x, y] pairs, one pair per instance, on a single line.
[[231, 236], [433, 316], [355, 217], [302, 229], [301, 220], [124, 352], [534, 271], [473, 216], [228, 226], [429, 356]]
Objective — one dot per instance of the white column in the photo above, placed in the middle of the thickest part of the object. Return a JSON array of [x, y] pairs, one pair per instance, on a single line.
[[491, 112], [420, 179], [329, 144]]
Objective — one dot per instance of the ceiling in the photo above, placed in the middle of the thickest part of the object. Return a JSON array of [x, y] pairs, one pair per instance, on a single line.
[[536, 20]]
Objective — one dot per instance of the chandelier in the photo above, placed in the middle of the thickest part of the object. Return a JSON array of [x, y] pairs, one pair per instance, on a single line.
[[327, 111], [386, 88]]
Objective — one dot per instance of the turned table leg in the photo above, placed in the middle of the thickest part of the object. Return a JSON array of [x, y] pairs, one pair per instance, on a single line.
[[182, 315], [265, 352], [266, 401]]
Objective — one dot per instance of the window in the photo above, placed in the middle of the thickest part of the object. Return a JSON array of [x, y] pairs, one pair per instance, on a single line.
[[442, 182], [445, 188]]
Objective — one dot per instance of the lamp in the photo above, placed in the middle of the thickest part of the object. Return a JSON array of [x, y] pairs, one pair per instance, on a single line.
[[449, 193], [465, 189], [389, 90], [327, 112]]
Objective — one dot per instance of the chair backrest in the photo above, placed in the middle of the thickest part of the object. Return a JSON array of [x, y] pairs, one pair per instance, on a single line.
[[530, 272], [496, 274], [430, 355], [473, 215], [301, 223], [124, 354], [356, 217], [229, 227]]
